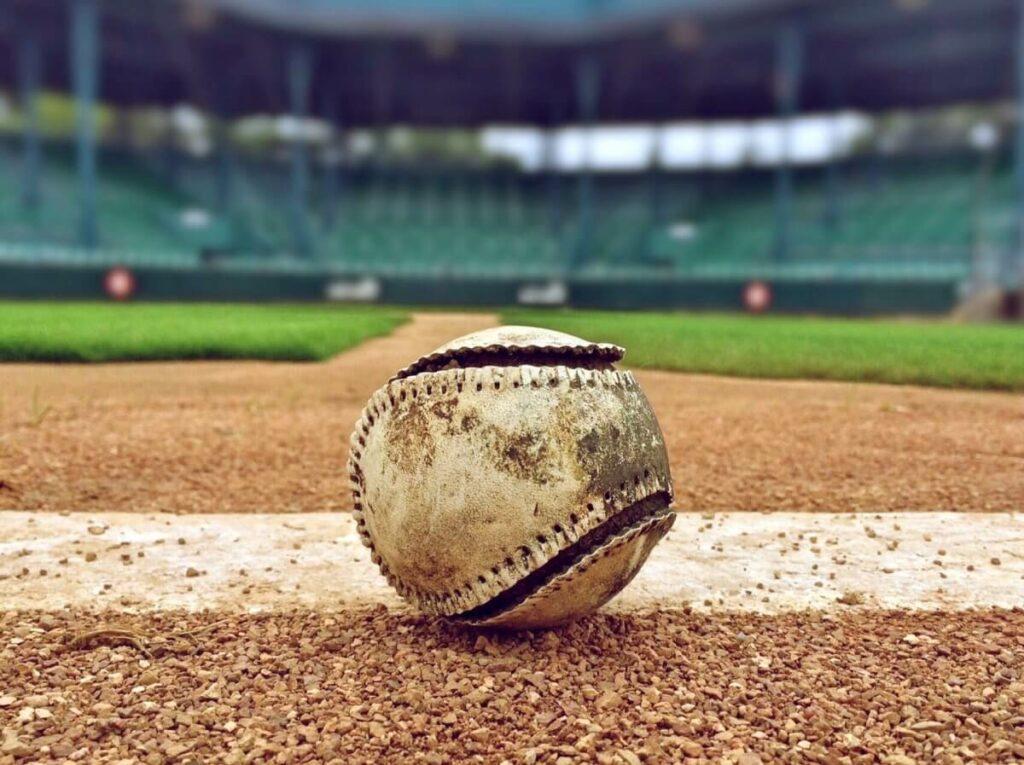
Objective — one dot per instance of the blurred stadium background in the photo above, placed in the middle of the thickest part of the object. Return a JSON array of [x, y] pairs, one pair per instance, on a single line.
[[850, 156]]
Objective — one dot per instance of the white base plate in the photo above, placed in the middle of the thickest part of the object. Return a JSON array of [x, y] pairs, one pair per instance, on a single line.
[[726, 561]]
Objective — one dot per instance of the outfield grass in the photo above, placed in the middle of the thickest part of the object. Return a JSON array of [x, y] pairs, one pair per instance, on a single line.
[[902, 352], [149, 332]]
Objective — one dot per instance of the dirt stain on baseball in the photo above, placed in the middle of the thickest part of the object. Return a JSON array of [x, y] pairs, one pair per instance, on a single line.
[[470, 421], [444, 409], [523, 454], [615, 454], [410, 438]]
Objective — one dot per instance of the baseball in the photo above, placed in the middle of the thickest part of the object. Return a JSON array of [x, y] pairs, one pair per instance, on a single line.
[[513, 478]]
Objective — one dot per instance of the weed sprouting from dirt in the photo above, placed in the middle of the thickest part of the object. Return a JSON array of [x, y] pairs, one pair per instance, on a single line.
[[109, 636], [38, 412], [148, 645]]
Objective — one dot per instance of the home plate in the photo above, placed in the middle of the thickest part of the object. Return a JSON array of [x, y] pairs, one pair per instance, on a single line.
[[727, 561]]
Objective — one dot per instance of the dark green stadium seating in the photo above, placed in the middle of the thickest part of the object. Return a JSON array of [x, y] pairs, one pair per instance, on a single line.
[[137, 213], [925, 218]]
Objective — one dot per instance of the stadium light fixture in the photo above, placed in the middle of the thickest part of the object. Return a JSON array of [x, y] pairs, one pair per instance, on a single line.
[[911, 6], [983, 136], [440, 46], [685, 35], [199, 16]]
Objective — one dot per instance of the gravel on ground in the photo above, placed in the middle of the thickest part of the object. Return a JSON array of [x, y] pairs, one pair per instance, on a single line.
[[370, 685]]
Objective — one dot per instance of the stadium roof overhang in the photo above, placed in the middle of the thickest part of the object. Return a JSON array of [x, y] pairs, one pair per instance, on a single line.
[[468, 62]]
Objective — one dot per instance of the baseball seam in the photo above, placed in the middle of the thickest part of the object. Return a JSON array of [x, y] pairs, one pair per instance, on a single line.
[[597, 351], [566, 577], [520, 561]]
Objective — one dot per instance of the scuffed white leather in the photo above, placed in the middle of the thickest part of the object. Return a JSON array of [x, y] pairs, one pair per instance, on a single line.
[[465, 480]]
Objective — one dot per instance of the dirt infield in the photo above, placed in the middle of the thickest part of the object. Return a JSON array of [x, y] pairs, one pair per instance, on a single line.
[[365, 685], [124, 667], [260, 437]]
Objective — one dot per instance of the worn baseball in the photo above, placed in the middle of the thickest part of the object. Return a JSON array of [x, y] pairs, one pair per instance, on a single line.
[[513, 477]]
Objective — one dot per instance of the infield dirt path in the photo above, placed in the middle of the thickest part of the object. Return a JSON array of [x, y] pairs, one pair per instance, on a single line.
[[272, 437]]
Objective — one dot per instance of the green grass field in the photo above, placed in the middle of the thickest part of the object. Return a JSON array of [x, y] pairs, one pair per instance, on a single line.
[[109, 332], [908, 352], [902, 352]]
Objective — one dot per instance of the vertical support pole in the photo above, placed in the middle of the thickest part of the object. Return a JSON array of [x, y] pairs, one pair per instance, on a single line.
[[833, 183], [29, 64], [555, 211], [588, 82], [300, 74], [833, 174], [225, 168], [788, 52], [333, 164], [553, 176], [85, 78], [225, 189], [1008, 277], [169, 153], [382, 83], [655, 191], [704, 170], [655, 177]]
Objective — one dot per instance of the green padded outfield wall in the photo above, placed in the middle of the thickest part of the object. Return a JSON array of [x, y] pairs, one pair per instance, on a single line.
[[849, 297]]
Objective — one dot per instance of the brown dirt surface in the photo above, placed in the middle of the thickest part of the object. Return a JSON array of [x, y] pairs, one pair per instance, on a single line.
[[740, 444], [190, 437], [272, 437], [370, 685]]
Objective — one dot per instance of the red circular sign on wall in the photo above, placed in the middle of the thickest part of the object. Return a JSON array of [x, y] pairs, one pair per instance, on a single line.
[[757, 297], [119, 283]]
